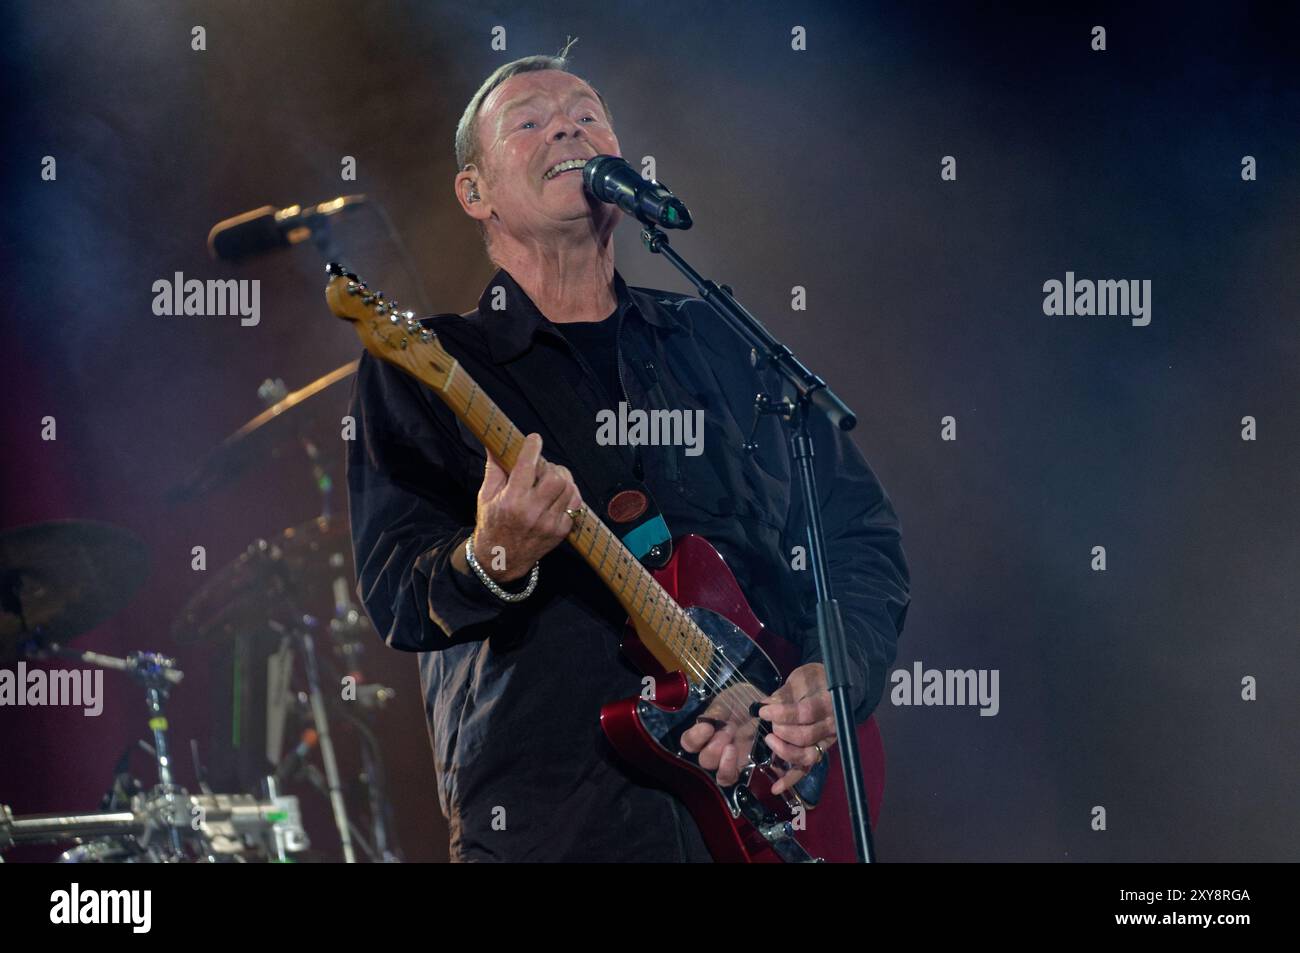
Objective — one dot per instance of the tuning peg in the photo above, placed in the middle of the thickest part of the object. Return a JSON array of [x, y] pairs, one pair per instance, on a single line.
[[335, 270]]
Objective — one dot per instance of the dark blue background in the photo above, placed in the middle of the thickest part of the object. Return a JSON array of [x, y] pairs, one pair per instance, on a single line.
[[819, 169]]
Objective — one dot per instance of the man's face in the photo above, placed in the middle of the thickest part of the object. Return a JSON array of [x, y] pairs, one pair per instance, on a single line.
[[526, 125]]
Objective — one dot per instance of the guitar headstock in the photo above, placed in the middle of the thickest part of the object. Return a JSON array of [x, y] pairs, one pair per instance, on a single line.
[[388, 332]]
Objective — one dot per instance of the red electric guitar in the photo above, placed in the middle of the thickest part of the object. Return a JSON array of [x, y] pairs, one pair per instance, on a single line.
[[689, 627]]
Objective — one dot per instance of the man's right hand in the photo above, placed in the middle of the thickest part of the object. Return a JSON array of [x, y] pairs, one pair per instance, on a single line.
[[523, 513]]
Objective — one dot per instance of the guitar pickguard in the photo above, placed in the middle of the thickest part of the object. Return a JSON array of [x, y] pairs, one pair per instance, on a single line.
[[743, 673]]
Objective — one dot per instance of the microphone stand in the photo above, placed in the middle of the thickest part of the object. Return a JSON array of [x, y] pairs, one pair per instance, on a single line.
[[812, 394]]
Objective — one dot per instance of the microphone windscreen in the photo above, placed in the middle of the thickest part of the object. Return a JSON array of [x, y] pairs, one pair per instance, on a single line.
[[245, 235]]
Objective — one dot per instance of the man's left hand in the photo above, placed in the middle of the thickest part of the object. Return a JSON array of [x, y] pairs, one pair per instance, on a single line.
[[801, 714], [802, 717]]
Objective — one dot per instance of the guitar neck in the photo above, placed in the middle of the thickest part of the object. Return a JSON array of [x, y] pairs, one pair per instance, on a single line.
[[395, 336], [665, 629]]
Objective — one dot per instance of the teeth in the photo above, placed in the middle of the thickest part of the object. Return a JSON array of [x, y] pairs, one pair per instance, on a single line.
[[564, 167]]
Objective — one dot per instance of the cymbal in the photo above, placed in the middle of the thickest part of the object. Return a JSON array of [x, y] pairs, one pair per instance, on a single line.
[[280, 424], [296, 570], [61, 578]]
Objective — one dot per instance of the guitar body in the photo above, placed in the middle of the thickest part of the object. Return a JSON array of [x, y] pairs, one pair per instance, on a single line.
[[646, 732]]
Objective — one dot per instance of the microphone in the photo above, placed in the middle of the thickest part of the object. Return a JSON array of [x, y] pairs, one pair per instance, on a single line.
[[268, 228], [610, 179]]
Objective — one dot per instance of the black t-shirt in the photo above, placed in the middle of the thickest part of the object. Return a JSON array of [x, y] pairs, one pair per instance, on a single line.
[[597, 342]]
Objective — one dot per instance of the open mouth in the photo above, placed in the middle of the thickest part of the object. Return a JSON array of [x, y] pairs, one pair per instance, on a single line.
[[563, 168]]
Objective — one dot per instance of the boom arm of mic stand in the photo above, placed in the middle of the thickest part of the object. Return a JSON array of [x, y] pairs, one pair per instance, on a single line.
[[808, 385]]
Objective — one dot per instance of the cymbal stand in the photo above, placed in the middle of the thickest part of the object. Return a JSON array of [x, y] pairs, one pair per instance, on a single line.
[[321, 723], [157, 673]]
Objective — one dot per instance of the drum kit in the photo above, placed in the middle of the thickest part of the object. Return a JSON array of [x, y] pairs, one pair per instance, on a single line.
[[281, 615]]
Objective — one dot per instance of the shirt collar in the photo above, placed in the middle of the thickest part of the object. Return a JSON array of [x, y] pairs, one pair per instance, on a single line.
[[510, 331]]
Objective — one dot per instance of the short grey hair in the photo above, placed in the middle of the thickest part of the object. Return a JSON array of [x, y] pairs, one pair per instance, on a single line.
[[468, 147]]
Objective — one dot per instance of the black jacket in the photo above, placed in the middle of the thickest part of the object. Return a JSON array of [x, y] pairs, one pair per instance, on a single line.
[[513, 692]]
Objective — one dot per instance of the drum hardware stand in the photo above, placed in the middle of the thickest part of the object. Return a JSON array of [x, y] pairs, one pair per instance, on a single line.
[[299, 633], [345, 631], [169, 808], [151, 670], [157, 673], [346, 628], [320, 720]]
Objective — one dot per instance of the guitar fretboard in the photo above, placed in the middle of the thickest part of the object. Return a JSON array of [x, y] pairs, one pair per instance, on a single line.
[[667, 631]]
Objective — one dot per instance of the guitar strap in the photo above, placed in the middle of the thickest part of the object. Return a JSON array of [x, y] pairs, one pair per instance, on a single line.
[[604, 474]]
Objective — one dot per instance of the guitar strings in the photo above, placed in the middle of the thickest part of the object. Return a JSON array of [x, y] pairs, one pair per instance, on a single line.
[[710, 674]]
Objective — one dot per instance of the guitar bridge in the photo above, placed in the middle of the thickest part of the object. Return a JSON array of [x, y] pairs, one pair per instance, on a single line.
[[778, 833]]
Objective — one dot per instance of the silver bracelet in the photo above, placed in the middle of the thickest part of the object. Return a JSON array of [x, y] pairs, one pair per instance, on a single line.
[[491, 584]]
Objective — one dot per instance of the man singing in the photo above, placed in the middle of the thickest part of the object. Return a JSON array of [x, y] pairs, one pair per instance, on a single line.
[[462, 563]]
